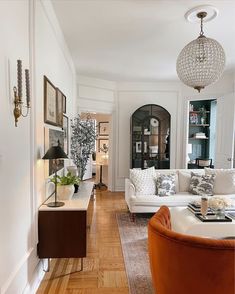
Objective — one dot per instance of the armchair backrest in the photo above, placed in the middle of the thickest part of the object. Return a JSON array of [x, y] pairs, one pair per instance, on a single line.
[[182, 264]]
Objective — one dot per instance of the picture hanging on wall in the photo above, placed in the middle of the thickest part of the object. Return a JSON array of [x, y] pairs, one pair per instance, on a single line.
[[53, 138], [50, 102], [66, 135], [59, 98], [104, 128], [103, 145]]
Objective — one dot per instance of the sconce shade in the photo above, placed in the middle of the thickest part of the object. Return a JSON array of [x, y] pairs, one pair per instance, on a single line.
[[55, 152]]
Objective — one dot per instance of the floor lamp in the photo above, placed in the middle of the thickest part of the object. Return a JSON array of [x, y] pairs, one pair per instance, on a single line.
[[103, 160], [55, 153]]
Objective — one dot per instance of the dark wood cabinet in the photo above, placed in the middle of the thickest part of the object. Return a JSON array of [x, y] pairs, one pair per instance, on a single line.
[[62, 231], [150, 137]]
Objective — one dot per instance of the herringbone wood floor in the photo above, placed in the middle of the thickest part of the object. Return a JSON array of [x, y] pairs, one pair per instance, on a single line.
[[104, 270]]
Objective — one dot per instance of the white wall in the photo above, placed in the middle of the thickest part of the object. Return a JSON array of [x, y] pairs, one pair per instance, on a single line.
[[122, 99], [131, 96], [29, 31]]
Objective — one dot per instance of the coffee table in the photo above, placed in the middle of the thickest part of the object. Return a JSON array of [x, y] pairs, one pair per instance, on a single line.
[[185, 222]]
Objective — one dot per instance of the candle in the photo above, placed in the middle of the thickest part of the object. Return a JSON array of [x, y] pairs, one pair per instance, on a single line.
[[19, 78], [27, 87]]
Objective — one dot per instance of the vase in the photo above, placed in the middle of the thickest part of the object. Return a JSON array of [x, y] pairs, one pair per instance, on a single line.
[[219, 212], [203, 120], [65, 192]]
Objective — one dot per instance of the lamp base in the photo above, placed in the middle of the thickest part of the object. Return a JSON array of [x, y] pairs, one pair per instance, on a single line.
[[55, 204]]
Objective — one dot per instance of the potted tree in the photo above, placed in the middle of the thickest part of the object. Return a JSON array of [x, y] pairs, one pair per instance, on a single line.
[[65, 185], [83, 138]]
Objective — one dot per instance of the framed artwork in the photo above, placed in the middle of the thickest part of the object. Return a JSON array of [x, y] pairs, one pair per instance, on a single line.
[[53, 138], [50, 103], [138, 147], [59, 103], [66, 135], [102, 144], [104, 128], [64, 104]]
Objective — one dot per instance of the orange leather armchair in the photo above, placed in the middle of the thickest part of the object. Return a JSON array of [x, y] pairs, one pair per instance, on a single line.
[[183, 264]]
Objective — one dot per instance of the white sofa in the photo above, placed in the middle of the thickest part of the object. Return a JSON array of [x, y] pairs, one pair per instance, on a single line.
[[151, 203]]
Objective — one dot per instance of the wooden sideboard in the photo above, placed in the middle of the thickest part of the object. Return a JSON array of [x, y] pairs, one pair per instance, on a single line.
[[62, 231]]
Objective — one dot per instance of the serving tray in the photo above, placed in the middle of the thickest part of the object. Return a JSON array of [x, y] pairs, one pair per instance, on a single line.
[[212, 218]]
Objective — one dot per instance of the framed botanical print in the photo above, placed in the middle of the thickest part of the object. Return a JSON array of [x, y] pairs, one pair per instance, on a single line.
[[104, 128], [66, 135], [103, 145], [50, 102], [59, 99]]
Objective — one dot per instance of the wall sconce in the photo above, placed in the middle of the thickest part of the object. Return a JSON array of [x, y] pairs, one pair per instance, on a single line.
[[18, 110]]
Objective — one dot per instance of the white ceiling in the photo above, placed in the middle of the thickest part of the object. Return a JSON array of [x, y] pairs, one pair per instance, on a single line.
[[133, 40]]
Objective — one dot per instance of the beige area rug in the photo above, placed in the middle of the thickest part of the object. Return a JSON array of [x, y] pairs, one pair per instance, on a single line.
[[134, 246]]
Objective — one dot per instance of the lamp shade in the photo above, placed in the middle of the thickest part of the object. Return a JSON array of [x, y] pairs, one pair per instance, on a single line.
[[55, 152]]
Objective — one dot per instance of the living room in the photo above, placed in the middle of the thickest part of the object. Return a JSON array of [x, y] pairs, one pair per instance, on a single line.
[[109, 57]]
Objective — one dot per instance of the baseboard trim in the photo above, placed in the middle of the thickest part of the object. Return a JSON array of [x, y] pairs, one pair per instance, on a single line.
[[37, 278], [26, 276]]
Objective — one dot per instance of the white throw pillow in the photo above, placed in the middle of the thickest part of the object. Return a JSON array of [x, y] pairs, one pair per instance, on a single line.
[[224, 180], [144, 180]]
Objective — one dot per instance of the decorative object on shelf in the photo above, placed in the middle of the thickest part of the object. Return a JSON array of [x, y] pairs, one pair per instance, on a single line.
[[52, 138], [154, 122], [202, 61], [203, 115], [138, 147], [191, 107], [218, 205], [65, 185], [200, 136], [55, 153], [104, 128], [59, 107], [66, 135], [18, 109], [83, 138], [50, 103], [193, 118]]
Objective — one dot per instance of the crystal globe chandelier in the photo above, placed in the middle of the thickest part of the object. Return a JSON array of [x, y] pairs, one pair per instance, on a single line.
[[202, 61]]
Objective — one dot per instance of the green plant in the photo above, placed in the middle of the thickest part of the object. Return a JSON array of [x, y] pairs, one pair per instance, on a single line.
[[68, 179], [202, 112]]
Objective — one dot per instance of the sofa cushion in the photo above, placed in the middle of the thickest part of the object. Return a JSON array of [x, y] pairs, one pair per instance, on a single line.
[[201, 184], [185, 178], [166, 185], [181, 199], [224, 180], [144, 180]]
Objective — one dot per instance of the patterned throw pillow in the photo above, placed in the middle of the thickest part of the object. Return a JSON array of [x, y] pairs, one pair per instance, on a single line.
[[166, 185], [201, 184], [144, 180]]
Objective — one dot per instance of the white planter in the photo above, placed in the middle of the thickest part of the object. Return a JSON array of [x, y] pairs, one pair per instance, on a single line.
[[65, 192]]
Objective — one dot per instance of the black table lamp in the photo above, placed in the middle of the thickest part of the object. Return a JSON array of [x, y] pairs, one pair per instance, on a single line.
[[55, 153]]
